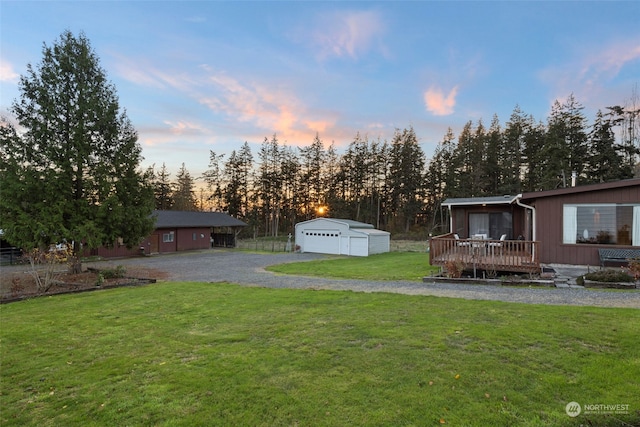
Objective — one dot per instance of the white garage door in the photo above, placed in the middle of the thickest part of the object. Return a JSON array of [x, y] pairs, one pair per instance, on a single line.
[[321, 241]]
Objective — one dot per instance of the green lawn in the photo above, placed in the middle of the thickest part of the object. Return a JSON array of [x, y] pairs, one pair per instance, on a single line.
[[387, 266], [185, 354]]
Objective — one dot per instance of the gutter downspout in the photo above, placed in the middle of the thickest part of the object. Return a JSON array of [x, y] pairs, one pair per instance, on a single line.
[[533, 221]]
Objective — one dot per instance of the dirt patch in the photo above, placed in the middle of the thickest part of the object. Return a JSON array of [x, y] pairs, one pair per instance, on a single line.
[[20, 284]]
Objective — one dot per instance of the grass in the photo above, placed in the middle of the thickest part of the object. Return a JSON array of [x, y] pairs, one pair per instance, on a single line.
[[279, 244], [387, 266], [183, 354]]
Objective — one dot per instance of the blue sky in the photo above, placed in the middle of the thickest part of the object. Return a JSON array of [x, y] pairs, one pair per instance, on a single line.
[[196, 76]]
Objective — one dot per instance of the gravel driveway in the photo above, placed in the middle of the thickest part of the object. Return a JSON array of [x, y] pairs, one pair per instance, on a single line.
[[248, 269]]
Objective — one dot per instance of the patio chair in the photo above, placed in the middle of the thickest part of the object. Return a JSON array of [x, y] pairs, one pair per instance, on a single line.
[[460, 243], [494, 245]]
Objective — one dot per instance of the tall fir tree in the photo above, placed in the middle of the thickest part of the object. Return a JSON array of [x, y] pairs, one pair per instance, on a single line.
[[268, 194], [605, 161], [184, 193], [565, 148], [312, 190], [162, 189], [214, 181], [75, 173], [406, 178]]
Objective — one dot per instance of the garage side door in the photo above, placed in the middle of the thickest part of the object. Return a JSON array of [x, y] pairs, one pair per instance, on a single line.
[[321, 241], [359, 246]]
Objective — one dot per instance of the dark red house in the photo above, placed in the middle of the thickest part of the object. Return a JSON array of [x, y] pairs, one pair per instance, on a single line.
[[573, 223], [181, 231], [563, 226]]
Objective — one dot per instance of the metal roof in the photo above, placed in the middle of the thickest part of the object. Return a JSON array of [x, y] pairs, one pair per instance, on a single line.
[[348, 222], [491, 200], [632, 182], [508, 199], [372, 232], [183, 219]]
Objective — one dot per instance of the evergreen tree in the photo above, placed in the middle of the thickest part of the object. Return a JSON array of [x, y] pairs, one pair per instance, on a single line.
[[74, 174], [232, 193], [312, 194], [439, 180], [268, 192], [480, 180], [162, 188], [213, 178], [353, 171], [406, 178], [330, 180], [290, 183], [245, 168], [493, 173], [229, 185], [534, 157], [605, 162], [380, 153], [627, 119], [184, 195], [512, 153], [565, 148], [464, 163]]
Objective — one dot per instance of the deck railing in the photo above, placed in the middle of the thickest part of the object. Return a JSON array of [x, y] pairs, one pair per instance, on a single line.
[[485, 254]]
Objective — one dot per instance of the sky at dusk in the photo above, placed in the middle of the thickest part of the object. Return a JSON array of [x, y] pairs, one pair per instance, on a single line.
[[196, 76]]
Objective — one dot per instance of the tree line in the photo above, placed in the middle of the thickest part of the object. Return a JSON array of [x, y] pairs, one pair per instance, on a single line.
[[73, 173], [392, 184]]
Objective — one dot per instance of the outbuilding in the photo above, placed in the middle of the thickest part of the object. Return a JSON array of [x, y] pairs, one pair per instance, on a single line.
[[180, 231], [340, 237]]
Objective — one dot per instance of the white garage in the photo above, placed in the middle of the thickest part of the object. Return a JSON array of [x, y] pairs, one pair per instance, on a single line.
[[340, 237]]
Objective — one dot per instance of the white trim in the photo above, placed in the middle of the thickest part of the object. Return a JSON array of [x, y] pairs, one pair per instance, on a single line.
[[635, 227], [569, 224]]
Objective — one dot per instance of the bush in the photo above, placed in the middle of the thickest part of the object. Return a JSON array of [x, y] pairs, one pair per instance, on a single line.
[[454, 268], [634, 268], [114, 273], [609, 276]]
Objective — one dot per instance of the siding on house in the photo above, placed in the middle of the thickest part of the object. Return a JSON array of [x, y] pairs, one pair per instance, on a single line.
[[549, 218]]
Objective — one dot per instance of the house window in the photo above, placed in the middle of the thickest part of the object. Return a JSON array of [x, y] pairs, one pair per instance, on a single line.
[[194, 237], [167, 237], [601, 224]]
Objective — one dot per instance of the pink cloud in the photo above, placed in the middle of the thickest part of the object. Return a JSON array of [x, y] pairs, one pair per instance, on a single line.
[[319, 126], [590, 74], [267, 107], [184, 128], [607, 63], [439, 103], [144, 74], [7, 73], [272, 109], [348, 34]]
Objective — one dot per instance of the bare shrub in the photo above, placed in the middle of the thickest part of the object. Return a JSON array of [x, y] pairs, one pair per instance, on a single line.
[[454, 268], [45, 265], [634, 268]]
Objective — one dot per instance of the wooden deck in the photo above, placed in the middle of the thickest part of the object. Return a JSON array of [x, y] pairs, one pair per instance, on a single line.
[[490, 255]]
